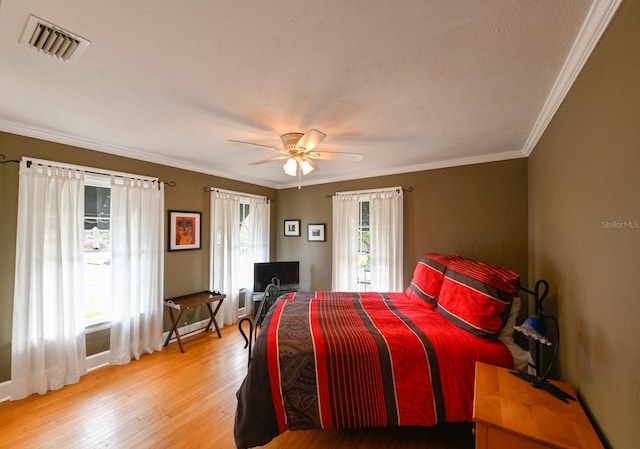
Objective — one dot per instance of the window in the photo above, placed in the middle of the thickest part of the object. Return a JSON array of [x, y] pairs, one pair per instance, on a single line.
[[239, 237], [244, 225], [97, 250], [364, 247], [245, 266], [367, 240], [115, 226]]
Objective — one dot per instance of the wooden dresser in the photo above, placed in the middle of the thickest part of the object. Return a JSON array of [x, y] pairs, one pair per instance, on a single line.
[[509, 413]]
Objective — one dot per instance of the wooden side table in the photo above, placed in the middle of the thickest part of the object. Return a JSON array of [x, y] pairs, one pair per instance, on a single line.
[[510, 413], [186, 302]]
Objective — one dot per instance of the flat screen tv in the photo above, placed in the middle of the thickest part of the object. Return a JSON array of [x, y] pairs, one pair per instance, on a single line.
[[287, 272]]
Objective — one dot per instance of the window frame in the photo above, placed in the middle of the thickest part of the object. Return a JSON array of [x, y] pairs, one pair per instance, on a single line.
[[364, 254], [104, 321]]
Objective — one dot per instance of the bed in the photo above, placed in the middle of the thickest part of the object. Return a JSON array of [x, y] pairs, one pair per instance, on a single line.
[[374, 359]]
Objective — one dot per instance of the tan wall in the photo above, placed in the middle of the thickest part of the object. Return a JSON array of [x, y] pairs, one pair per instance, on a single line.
[[584, 209], [185, 271], [478, 211]]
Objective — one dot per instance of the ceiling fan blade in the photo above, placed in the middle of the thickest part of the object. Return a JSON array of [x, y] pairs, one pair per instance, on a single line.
[[271, 159], [280, 150], [334, 156], [311, 139]]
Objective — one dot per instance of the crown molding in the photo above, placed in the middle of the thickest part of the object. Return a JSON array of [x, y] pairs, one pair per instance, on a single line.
[[495, 157], [595, 24], [51, 136]]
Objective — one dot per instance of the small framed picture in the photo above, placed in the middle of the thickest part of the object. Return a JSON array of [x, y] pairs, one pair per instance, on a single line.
[[184, 230], [315, 233], [292, 228]]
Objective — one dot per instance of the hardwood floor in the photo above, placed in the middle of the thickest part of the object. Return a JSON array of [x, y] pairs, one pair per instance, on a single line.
[[174, 400]]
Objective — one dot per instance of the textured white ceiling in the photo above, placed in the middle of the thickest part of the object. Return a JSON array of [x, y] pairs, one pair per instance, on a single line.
[[411, 84]]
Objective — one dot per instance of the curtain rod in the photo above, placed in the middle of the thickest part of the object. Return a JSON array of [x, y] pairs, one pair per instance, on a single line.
[[94, 171], [233, 192], [5, 160], [356, 192]]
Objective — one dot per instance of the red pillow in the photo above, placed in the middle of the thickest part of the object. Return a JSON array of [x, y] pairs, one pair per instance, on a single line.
[[428, 276], [477, 297]]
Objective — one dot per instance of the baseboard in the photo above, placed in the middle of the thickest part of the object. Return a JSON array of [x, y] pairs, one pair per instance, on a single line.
[[98, 360], [101, 359], [190, 329], [5, 390]]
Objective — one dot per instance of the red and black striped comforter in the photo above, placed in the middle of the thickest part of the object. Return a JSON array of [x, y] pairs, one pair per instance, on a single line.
[[354, 360]]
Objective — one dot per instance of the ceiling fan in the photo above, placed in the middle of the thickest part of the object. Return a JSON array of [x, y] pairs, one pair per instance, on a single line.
[[298, 151]]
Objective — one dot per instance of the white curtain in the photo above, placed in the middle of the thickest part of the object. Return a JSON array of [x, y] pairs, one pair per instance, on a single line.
[[227, 259], [137, 226], [47, 343], [385, 215], [258, 247], [345, 242], [386, 239], [225, 238]]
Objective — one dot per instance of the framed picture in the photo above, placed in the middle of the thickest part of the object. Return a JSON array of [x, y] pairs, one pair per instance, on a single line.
[[184, 230], [292, 228], [315, 233]]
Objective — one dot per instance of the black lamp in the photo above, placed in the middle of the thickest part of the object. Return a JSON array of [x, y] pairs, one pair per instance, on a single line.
[[535, 328]]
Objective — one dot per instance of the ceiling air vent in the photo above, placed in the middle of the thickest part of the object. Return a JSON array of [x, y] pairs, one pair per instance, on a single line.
[[53, 40]]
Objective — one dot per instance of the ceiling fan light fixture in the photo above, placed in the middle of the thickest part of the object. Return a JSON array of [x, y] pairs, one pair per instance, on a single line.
[[306, 167], [299, 151], [291, 167]]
